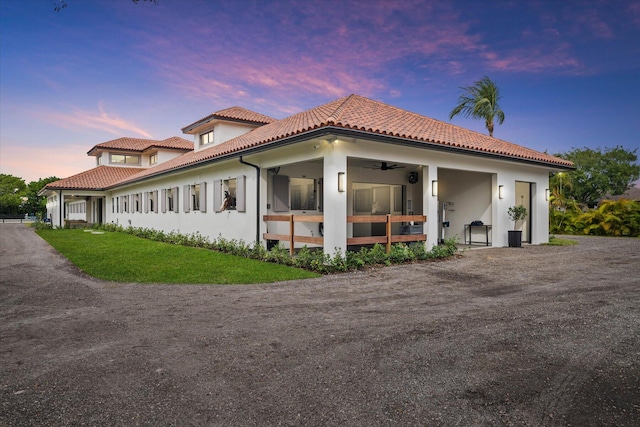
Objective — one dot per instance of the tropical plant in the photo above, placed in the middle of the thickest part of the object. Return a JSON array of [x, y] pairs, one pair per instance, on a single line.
[[480, 101], [517, 213], [611, 218]]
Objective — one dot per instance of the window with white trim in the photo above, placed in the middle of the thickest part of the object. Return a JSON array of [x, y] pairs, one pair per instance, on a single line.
[[195, 197], [137, 202], [129, 159], [206, 138], [170, 199], [124, 203], [153, 159], [229, 194], [151, 201]]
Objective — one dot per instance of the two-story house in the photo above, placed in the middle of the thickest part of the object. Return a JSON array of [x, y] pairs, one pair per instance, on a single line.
[[350, 172]]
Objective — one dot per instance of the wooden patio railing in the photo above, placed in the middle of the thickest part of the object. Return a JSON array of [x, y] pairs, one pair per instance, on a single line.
[[388, 239]]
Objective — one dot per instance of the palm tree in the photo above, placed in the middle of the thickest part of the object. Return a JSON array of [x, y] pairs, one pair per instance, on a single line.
[[480, 101]]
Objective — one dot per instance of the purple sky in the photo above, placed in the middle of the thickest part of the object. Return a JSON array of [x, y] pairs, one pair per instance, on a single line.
[[569, 71]]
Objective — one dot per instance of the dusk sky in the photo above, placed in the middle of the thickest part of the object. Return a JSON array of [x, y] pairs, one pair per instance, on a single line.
[[569, 71]]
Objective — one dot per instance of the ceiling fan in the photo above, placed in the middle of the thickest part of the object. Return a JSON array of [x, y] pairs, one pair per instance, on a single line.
[[384, 166]]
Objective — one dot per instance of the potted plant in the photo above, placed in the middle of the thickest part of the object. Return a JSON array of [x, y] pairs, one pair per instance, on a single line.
[[516, 213]]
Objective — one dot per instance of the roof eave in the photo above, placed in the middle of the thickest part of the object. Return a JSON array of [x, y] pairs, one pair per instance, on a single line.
[[351, 133], [441, 147], [44, 190], [195, 127]]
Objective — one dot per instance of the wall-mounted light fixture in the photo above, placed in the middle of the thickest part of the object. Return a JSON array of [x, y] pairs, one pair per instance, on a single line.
[[546, 194], [501, 191], [434, 188], [342, 182]]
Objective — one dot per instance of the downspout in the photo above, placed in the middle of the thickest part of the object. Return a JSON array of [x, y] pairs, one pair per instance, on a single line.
[[60, 220], [257, 197]]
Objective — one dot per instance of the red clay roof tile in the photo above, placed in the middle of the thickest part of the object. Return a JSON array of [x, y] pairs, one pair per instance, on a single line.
[[235, 114], [358, 113], [140, 145], [97, 178]]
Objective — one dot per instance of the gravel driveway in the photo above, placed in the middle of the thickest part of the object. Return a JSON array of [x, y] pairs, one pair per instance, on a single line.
[[534, 336]]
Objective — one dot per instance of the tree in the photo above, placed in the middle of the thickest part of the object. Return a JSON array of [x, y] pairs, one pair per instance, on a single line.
[[480, 101], [598, 174], [34, 204], [11, 189]]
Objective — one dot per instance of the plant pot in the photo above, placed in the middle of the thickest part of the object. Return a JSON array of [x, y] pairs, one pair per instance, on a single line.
[[515, 238]]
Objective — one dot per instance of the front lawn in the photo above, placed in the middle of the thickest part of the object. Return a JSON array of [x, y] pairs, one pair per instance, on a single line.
[[125, 258]]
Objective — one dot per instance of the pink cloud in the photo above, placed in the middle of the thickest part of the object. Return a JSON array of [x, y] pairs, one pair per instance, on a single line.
[[594, 24], [306, 49], [534, 60], [342, 50], [32, 163], [634, 13], [92, 120]]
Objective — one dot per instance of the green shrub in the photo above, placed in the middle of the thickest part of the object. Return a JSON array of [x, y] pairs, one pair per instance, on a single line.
[[620, 218], [39, 225], [308, 259]]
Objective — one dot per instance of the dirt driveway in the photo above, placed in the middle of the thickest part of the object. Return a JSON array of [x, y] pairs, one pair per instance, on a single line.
[[535, 336]]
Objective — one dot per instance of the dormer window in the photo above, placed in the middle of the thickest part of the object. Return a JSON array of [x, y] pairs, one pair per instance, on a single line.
[[128, 159], [153, 159], [206, 138]]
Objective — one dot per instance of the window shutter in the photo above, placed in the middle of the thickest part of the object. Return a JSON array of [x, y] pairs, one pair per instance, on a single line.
[[163, 201], [185, 198], [217, 195], [146, 202], [155, 201], [241, 193], [140, 202], [176, 198], [280, 193], [203, 196]]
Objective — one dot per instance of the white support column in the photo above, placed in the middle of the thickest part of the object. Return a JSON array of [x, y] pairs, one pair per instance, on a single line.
[[430, 204], [89, 210], [498, 213], [540, 208], [335, 202]]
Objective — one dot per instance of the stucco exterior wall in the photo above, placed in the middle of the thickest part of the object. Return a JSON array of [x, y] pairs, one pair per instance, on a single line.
[[211, 224], [469, 181]]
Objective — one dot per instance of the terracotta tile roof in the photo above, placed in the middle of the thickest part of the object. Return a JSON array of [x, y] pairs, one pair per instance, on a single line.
[[141, 145], [97, 178], [233, 113], [358, 113]]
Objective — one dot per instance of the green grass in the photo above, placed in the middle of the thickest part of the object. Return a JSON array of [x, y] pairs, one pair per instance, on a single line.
[[124, 258], [555, 241]]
